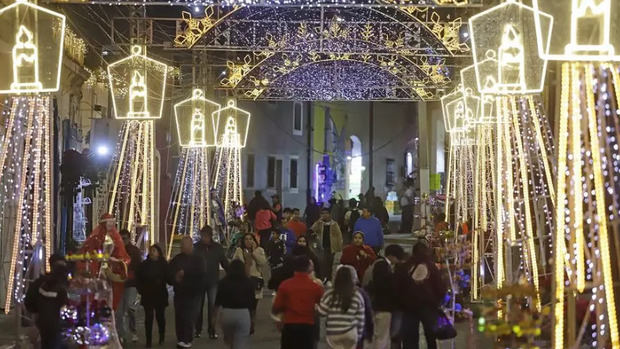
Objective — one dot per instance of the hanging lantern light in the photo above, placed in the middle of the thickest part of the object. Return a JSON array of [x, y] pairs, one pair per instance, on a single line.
[[138, 85], [28, 65]]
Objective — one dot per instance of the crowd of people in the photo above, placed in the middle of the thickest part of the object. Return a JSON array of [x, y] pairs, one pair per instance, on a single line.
[[331, 263]]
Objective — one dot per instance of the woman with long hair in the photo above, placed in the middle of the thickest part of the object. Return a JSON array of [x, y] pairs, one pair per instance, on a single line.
[[151, 282], [343, 305], [420, 291], [234, 303], [253, 257]]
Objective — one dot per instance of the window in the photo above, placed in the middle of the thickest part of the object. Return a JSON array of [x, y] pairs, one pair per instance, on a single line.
[[298, 119], [249, 175], [271, 172], [390, 173], [293, 174]]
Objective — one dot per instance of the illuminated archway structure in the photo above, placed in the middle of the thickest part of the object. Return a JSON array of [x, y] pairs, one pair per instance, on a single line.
[[587, 236], [30, 71], [138, 87], [231, 135], [190, 205], [354, 54]]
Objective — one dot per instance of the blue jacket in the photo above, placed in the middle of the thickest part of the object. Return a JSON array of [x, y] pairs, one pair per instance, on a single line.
[[373, 232]]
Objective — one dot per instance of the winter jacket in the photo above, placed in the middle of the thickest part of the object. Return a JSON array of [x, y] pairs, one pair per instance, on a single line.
[[413, 294], [351, 255], [193, 266], [213, 255], [151, 282], [335, 234], [45, 296]]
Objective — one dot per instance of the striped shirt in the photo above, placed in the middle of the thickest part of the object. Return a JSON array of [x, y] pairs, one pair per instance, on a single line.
[[338, 322]]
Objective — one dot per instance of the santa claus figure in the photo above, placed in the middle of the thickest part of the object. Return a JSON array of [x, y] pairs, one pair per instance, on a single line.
[[106, 239]]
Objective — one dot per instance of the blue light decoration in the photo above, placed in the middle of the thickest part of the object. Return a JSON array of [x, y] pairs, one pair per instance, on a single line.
[[324, 179]]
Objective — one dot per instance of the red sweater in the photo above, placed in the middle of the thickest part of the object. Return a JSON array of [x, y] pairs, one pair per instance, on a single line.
[[351, 256], [296, 298]]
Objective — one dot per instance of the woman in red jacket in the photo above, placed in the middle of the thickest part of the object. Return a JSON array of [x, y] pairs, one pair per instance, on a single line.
[[358, 255]]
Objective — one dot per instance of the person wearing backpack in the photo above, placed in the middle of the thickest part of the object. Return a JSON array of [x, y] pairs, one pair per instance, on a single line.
[[421, 290]]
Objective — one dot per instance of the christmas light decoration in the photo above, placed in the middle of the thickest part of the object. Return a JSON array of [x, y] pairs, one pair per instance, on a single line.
[[31, 68], [138, 87], [367, 55], [509, 71], [587, 208], [190, 207], [26, 149], [232, 132]]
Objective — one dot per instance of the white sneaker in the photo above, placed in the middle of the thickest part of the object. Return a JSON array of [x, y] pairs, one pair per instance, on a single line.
[[184, 345], [134, 338]]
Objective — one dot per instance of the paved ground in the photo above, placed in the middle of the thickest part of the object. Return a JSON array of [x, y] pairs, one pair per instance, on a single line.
[[266, 337]]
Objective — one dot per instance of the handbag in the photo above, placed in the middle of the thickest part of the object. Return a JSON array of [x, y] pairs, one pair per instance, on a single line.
[[443, 327]]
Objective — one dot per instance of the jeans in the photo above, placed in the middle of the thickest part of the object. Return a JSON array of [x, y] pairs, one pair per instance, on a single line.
[[127, 305], [185, 312], [209, 296], [236, 327], [411, 328], [160, 314], [297, 336]]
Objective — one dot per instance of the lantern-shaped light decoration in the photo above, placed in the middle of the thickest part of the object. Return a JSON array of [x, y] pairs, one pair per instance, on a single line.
[[484, 104], [505, 48], [459, 110], [583, 30], [196, 120], [232, 126], [33, 39], [138, 85]]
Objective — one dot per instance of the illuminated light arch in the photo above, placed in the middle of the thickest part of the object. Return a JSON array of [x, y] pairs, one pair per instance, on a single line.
[[256, 92], [26, 150], [362, 39]]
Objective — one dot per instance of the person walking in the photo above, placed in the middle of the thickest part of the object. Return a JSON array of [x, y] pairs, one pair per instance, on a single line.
[[420, 291], [214, 256], [253, 256], [127, 305], [358, 255], [295, 300], [295, 224], [257, 202], [263, 223], [45, 297], [276, 207], [151, 283], [381, 212], [312, 212], [330, 237], [343, 306], [371, 227], [406, 206], [185, 273], [350, 217], [383, 298], [234, 303]]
